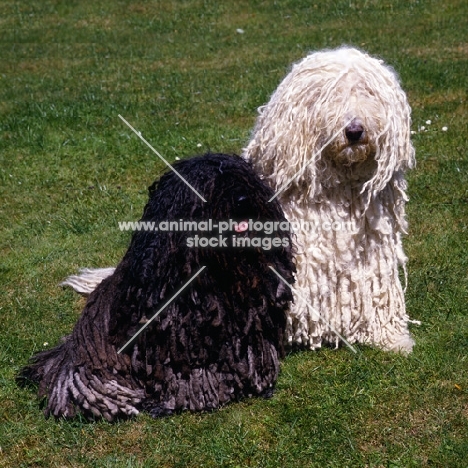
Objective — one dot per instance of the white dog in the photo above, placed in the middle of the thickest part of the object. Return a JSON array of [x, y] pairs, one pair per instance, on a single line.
[[334, 141]]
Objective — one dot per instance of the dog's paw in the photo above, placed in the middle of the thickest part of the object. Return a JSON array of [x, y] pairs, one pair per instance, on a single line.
[[157, 410], [268, 393], [402, 344]]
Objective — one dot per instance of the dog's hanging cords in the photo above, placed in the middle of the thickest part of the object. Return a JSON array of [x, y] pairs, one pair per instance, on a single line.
[[161, 309]]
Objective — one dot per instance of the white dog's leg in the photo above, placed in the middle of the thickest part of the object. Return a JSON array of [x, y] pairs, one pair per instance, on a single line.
[[88, 279]]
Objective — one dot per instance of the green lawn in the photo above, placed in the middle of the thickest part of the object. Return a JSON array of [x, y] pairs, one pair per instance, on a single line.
[[189, 75]]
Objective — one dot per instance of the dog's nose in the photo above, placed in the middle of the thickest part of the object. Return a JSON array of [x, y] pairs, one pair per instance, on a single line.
[[354, 131]]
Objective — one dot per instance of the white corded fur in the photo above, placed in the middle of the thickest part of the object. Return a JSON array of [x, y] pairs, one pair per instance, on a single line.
[[348, 273], [88, 279]]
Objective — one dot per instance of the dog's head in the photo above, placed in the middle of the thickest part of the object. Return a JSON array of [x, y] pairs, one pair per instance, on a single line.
[[212, 207], [215, 187], [338, 116]]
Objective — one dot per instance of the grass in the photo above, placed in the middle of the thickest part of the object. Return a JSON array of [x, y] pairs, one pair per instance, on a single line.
[[182, 74]]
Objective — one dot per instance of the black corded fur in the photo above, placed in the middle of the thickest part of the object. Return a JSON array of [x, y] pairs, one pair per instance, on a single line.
[[218, 341]]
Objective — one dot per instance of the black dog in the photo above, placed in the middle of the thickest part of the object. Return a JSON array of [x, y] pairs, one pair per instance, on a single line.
[[219, 340]]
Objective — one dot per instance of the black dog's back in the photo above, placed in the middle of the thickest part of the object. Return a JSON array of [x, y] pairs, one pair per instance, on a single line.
[[218, 341]]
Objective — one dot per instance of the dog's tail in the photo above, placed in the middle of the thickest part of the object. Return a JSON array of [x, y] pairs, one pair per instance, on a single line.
[[88, 279]]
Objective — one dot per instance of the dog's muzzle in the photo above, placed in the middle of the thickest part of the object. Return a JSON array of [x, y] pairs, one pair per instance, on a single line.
[[354, 131]]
